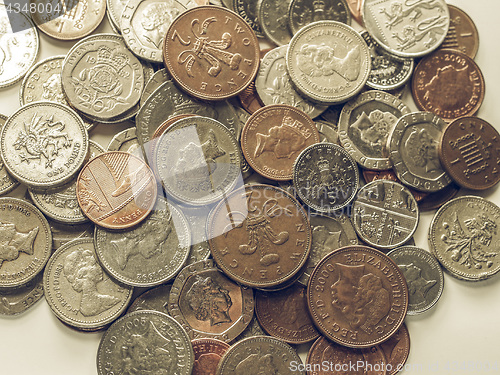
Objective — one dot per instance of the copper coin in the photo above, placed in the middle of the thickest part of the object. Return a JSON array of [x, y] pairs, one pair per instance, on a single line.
[[449, 84], [211, 52], [435, 200], [259, 236], [284, 315], [250, 100], [325, 358], [469, 151], [355, 9], [357, 296], [389, 174], [396, 350], [462, 34], [274, 136], [207, 354], [116, 190]]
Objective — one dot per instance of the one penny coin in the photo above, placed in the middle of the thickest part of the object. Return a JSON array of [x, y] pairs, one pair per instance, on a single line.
[[211, 52], [357, 296], [116, 190], [462, 34], [207, 354]]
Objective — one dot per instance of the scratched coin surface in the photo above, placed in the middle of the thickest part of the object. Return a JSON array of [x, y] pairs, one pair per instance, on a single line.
[[208, 304], [462, 34], [385, 214], [149, 254], [44, 144], [15, 301], [397, 349], [303, 12], [357, 296], [78, 290], [211, 52], [7, 182], [259, 236], [207, 354], [116, 190], [145, 342]]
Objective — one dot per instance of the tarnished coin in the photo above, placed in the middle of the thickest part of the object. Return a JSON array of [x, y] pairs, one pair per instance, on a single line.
[[449, 84], [67, 20], [325, 177], [101, 77], [151, 253], [116, 190], [284, 315], [273, 17], [407, 29], [18, 44], [274, 136], [77, 289], [208, 304], [328, 62], [144, 25], [462, 34], [125, 141], [211, 52], [326, 357], [365, 124], [145, 342], [15, 301], [198, 161], [207, 355], [435, 200], [248, 10], [303, 12], [357, 296], [7, 182], [329, 233], [260, 355], [155, 299], [157, 79], [423, 275], [413, 150], [464, 238], [259, 236], [44, 144], [389, 174], [385, 214], [469, 151], [396, 350], [274, 86]]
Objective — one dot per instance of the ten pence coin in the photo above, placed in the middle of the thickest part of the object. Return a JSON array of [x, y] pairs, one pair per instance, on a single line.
[[357, 296], [207, 355], [211, 52]]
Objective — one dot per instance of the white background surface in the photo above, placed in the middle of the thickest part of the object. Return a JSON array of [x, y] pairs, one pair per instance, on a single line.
[[459, 336]]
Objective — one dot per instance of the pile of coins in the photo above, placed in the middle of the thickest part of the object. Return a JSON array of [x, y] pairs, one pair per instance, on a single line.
[[229, 221]]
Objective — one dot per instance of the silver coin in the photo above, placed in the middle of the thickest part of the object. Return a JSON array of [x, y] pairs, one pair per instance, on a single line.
[[409, 28], [388, 71], [157, 79], [328, 132], [126, 141], [260, 353], [18, 47], [145, 342], [464, 237], [150, 254], [15, 301], [64, 233], [198, 161], [328, 62], [303, 12], [155, 299], [197, 218], [114, 10], [7, 182], [144, 24], [413, 151], [44, 144], [27, 242], [385, 214], [208, 304], [101, 77], [273, 16], [252, 330], [78, 290], [94, 149], [325, 177], [423, 275], [247, 9], [275, 87], [365, 124]]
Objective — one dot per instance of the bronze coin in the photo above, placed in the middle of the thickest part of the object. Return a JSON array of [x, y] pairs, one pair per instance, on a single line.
[[469, 151], [259, 236], [396, 350], [326, 358], [389, 174], [435, 200], [207, 354], [355, 9], [274, 136], [449, 84], [357, 296], [462, 34], [250, 100], [116, 190], [284, 315], [211, 52]]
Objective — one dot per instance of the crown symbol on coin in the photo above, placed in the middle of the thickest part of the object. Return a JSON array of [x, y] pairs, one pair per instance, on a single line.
[[110, 56], [295, 126], [182, 103], [323, 165]]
